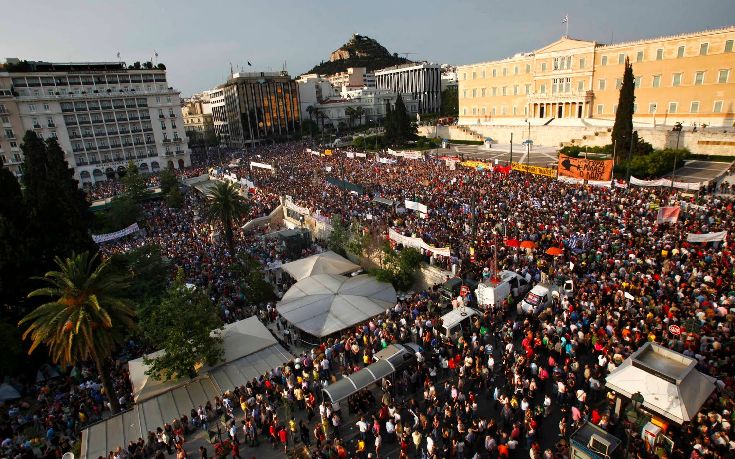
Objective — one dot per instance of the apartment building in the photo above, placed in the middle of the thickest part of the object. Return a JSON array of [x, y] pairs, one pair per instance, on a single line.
[[103, 114], [421, 81]]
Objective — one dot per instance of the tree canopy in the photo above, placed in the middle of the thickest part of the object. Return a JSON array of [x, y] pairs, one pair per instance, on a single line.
[[622, 133], [181, 326], [226, 206], [399, 128]]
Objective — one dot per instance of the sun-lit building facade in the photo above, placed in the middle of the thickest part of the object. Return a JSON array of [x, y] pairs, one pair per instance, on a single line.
[[686, 78]]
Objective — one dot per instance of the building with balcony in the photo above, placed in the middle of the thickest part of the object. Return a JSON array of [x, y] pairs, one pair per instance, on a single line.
[[370, 103], [417, 81], [685, 78], [103, 114], [354, 77], [215, 104], [260, 106], [197, 114], [11, 129]]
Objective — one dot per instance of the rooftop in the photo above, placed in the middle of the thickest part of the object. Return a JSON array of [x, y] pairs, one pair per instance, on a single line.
[[15, 65]]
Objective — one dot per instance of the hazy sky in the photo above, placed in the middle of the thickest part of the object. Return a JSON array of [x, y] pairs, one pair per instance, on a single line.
[[197, 40]]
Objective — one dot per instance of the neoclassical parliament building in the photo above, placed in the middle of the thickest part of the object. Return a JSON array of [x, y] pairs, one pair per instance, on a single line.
[[684, 78]]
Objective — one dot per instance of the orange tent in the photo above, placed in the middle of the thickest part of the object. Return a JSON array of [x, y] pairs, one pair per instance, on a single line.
[[528, 245]]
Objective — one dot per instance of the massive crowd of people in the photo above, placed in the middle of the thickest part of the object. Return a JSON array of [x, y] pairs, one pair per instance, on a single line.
[[515, 384]]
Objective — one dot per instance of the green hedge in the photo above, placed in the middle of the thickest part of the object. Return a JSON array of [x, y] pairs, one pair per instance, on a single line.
[[654, 165]]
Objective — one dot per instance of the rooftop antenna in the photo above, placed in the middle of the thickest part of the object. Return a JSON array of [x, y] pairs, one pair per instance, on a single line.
[[231, 72]]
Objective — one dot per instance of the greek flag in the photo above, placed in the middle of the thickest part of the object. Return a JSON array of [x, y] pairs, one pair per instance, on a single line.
[[565, 20]]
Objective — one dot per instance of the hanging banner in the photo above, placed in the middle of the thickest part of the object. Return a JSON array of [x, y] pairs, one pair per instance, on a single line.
[[479, 165], [578, 181], [707, 237], [350, 154], [385, 160], [289, 204], [100, 238], [599, 170], [694, 186], [668, 214], [535, 170], [418, 243], [327, 152], [346, 185], [413, 205], [360, 155], [260, 165], [406, 154]]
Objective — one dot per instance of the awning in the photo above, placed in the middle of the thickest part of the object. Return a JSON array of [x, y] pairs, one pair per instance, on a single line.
[[348, 385], [321, 263]]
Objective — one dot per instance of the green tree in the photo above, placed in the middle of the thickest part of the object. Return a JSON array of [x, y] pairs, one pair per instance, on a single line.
[[175, 198], [226, 206], [405, 128], [87, 317], [622, 133], [14, 257], [359, 113], [135, 184], [338, 237], [169, 180], [184, 327], [58, 215], [450, 102], [148, 273], [398, 268], [389, 126]]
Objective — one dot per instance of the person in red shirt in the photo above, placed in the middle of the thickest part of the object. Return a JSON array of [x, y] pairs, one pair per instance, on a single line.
[[283, 436]]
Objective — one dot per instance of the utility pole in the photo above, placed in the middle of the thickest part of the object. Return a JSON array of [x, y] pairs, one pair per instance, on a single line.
[[511, 148]]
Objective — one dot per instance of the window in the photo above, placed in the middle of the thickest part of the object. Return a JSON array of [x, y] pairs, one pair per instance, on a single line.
[[464, 110], [621, 58], [482, 92], [5, 119], [680, 51], [698, 78], [637, 81], [543, 66], [580, 86], [493, 112], [503, 110], [728, 46], [9, 134], [484, 110], [568, 85], [601, 85], [163, 125], [505, 71], [603, 61], [495, 91], [525, 111], [703, 48], [722, 77], [639, 56], [673, 106], [483, 74], [543, 88], [676, 81], [581, 63], [474, 93], [694, 107], [717, 108], [659, 54], [569, 62], [474, 75], [556, 63], [504, 90], [515, 70], [515, 90], [600, 107], [474, 110], [46, 107], [464, 93], [32, 107], [652, 107], [618, 83], [528, 66], [495, 72], [656, 81], [528, 89]]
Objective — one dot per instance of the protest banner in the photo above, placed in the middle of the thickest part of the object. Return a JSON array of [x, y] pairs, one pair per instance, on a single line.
[[668, 214], [694, 186], [417, 242], [707, 237], [413, 205], [598, 170], [260, 165], [100, 238], [535, 170]]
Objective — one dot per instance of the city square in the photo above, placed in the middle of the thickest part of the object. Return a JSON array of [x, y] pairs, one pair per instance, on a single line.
[[381, 256]]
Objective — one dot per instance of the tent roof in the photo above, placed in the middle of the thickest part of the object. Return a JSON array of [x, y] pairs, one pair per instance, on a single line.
[[321, 263], [667, 380], [323, 304], [361, 379], [239, 339], [245, 338]]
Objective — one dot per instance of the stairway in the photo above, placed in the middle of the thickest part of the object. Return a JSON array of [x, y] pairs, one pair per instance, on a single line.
[[474, 134]]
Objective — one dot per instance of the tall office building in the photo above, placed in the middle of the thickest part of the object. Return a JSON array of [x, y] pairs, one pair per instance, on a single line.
[[259, 106], [103, 114], [421, 80], [684, 78]]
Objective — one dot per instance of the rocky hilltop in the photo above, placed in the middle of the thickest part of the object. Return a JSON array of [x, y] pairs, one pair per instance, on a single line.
[[359, 51]]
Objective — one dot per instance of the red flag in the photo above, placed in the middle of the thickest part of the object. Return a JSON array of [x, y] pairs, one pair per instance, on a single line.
[[668, 214]]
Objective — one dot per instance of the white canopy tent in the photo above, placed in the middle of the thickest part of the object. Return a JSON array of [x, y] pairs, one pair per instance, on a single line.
[[250, 350], [668, 381], [327, 303], [321, 263]]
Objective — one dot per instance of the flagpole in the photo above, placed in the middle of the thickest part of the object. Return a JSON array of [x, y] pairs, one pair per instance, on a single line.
[[567, 24]]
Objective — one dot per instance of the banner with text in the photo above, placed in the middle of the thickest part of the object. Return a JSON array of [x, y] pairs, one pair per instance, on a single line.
[[668, 214], [599, 170], [260, 165], [100, 238], [413, 205], [667, 182], [535, 170], [418, 243], [707, 237]]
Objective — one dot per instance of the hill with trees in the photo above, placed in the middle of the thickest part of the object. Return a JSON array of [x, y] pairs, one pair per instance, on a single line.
[[359, 51]]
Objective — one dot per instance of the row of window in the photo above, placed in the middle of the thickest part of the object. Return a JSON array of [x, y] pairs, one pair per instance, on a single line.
[[704, 50], [565, 62], [89, 80], [73, 92], [677, 79], [672, 108], [482, 111]]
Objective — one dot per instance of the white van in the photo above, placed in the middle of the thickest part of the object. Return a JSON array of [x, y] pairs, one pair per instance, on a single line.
[[456, 322], [491, 293], [541, 296]]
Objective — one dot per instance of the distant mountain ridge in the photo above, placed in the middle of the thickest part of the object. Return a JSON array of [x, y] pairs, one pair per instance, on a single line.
[[359, 51]]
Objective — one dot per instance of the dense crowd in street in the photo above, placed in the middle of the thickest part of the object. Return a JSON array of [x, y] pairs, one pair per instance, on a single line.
[[516, 385]]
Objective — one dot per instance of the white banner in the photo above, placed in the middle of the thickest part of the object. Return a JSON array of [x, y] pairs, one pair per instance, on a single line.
[[295, 207], [386, 160], [260, 165], [315, 153], [667, 182], [99, 238], [360, 155], [413, 205], [407, 154], [247, 184], [418, 243], [350, 154], [578, 181], [707, 237]]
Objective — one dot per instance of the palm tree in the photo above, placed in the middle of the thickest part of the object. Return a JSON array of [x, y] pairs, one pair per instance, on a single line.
[[350, 113], [359, 113], [87, 317], [226, 205]]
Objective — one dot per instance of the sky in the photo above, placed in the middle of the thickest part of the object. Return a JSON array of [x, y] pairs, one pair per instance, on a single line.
[[198, 40]]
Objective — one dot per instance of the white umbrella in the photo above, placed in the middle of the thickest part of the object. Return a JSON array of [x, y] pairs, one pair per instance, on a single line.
[[8, 392], [327, 303]]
